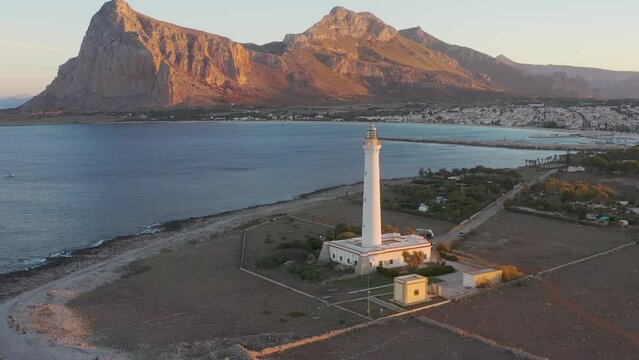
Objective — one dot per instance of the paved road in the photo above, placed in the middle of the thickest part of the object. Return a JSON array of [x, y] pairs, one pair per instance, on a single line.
[[481, 217]]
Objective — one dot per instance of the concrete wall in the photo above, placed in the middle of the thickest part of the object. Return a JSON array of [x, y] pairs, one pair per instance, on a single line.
[[343, 257]]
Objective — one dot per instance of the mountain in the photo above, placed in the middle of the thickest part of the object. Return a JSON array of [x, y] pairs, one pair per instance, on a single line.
[[606, 84], [510, 78], [13, 102], [128, 61]]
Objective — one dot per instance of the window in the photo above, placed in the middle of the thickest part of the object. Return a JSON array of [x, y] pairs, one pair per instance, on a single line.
[[340, 258], [391, 261], [416, 292], [355, 262], [333, 256], [381, 263], [348, 261]]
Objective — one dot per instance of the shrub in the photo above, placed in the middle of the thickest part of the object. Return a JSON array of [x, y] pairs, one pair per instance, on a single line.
[[391, 273], [279, 257], [436, 270], [296, 244], [344, 227], [450, 257], [345, 235], [267, 262], [306, 272], [510, 273], [389, 229], [314, 243]]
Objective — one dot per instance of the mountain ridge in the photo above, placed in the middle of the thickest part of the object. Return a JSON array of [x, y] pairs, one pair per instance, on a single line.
[[129, 61]]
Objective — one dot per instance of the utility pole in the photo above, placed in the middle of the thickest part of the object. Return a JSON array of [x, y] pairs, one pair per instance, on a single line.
[[368, 291]]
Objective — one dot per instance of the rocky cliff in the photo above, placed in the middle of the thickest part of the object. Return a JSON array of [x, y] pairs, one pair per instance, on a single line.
[[129, 61]]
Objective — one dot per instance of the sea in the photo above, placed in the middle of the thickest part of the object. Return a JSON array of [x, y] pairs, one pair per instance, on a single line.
[[67, 187]]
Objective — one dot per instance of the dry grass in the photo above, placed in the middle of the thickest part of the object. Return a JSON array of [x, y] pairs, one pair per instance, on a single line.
[[510, 273]]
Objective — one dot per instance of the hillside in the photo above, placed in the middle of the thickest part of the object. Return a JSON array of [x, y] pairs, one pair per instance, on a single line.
[[509, 78], [605, 84], [129, 61]]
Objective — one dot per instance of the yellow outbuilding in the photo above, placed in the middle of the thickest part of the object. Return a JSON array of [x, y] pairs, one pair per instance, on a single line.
[[480, 278], [410, 289]]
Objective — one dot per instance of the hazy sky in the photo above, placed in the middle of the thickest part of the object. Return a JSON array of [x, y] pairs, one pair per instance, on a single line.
[[36, 36]]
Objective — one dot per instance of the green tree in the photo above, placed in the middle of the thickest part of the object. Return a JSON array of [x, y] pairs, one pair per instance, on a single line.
[[413, 259]]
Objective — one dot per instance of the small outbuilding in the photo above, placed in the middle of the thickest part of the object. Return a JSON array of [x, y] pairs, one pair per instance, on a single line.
[[410, 289], [482, 277]]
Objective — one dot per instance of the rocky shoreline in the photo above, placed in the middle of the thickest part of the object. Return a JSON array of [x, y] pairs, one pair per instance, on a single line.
[[18, 282]]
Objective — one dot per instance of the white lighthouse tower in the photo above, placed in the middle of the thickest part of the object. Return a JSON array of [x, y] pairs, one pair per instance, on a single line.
[[373, 250], [371, 213]]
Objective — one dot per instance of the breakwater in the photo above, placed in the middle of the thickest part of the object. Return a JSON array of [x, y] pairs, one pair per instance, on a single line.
[[509, 144]]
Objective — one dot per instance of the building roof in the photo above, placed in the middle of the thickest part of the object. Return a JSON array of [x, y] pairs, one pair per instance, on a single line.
[[410, 278], [481, 271], [390, 242]]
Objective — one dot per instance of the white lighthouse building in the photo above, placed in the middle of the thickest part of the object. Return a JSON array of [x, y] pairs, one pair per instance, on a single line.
[[371, 211], [373, 249]]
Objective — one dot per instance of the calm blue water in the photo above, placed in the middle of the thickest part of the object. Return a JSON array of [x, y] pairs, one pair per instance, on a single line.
[[68, 187]]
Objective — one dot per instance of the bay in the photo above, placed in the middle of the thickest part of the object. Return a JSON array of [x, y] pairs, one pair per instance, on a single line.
[[71, 186]]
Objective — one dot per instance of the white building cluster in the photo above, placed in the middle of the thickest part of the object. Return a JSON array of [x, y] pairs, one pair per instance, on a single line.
[[617, 118]]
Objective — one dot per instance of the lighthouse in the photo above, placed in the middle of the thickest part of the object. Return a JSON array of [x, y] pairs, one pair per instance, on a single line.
[[371, 212], [373, 249]]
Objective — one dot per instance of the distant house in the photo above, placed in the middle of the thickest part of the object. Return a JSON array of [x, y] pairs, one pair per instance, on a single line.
[[574, 169], [441, 200], [423, 208], [456, 178]]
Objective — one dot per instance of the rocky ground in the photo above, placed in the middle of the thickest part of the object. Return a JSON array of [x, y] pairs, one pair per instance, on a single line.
[[534, 243], [586, 311], [181, 294]]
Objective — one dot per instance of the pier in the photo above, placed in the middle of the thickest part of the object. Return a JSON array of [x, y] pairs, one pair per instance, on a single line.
[[509, 144]]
